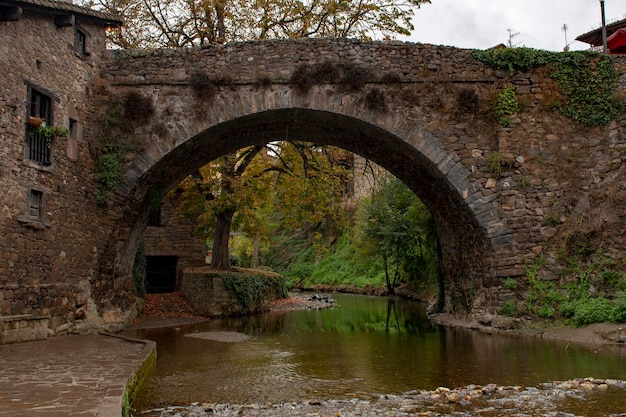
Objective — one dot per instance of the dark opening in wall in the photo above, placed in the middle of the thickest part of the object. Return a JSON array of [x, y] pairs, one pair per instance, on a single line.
[[161, 274]]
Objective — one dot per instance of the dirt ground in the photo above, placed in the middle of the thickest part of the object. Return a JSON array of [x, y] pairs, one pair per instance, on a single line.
[[596, 336]]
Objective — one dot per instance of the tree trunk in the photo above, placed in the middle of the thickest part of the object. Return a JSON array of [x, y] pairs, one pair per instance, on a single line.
[[255, 252], [221, 253], [390, 289]]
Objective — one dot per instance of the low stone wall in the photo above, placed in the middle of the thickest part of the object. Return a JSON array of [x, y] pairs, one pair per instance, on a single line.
[[23, 328], [214, 293]]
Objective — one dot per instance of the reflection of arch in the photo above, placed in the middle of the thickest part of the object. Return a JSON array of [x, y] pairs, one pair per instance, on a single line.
[[467, 224]]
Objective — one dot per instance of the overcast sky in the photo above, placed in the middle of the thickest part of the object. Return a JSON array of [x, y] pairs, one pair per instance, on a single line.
[[482, 24]]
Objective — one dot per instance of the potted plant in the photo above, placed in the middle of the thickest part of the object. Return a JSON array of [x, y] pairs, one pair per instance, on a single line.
[[50, 132], [35, 121]]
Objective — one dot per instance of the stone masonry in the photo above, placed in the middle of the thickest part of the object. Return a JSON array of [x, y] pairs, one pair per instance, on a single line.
[[49, 261], [400, 107]]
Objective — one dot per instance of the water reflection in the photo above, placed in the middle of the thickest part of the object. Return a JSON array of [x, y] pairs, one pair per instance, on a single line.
[[360, 348]]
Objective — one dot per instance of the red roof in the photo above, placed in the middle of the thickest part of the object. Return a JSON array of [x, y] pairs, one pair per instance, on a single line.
[[617, 41]]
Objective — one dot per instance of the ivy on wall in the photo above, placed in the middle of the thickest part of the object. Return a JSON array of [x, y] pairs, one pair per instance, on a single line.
[[108, 163], [587, 80], [118, 122], [250, 288], [506, 105]]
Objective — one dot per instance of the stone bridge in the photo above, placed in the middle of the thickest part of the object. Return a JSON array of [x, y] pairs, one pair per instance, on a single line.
[[501, 196], [422, 112]]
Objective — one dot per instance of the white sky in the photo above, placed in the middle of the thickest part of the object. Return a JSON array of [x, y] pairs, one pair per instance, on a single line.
[[482, 24]]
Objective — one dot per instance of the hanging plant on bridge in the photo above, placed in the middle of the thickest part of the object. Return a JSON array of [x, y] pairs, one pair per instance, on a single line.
[[587, 80]]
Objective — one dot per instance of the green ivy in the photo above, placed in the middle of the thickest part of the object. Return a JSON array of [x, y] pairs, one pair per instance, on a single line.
[[586, 79], [510, 284], [108, 172], [506, 104], [112, 143], [250, 288]]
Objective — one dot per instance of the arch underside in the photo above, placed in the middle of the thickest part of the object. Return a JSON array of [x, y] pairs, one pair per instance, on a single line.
[[466, 224]]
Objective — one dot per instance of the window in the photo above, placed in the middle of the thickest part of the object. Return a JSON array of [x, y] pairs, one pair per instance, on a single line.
[[80, 42], [35, 204], [35, 210], [154, 217], [40, 106]]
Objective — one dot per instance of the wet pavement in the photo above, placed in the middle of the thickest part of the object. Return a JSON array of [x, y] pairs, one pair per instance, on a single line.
[[75, 375]]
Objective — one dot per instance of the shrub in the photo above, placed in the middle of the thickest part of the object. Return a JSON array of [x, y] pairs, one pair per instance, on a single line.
[[619, 312], [249, 289], [375, 99], [108, 173], [510, 284], [495, 162], [508, 309], [593, 310], [468, 100], [202, 86]]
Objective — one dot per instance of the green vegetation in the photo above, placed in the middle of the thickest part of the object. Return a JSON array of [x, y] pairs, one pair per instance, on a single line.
[[396, 227], [508, 309], [117, 123], [495, 162], [250, 288], [578, 296], [108, 172], [506, 105], [388, 241], [108, 163], [135, 384], [510, 284], [50, 132], [587, 80]]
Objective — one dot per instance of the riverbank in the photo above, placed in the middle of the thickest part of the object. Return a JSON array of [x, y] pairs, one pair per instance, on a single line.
[[595, 336]]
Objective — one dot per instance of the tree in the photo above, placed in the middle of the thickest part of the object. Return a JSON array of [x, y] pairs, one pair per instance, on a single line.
[[175, 23], [235, 191], [397, 227], [180, 23]]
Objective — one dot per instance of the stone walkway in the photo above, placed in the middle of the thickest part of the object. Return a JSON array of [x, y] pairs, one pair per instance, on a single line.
[[76, 375]]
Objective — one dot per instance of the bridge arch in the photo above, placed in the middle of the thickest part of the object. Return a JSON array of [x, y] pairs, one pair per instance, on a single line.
[[467, 223]]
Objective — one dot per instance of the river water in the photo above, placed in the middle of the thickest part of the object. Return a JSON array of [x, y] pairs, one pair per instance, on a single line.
[[362, 347]]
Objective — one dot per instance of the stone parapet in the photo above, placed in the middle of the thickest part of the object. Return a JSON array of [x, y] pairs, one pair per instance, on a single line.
[[23, 328]]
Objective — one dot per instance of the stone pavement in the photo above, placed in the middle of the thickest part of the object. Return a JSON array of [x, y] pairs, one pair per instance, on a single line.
[[75, 375]]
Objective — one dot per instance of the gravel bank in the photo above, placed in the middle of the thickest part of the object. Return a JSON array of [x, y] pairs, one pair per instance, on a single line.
[[473, 400]]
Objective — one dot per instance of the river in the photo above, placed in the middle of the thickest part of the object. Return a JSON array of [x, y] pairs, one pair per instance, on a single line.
[[360, 348]]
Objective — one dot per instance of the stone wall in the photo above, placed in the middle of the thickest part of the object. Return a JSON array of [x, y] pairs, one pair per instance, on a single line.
[[48, 263], [175, 237], [209, 294]]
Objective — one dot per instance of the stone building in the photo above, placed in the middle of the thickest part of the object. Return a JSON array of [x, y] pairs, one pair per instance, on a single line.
[[50, 52], [171, 244]]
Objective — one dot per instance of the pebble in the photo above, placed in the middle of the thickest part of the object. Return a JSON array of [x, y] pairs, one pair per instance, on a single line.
[[473, 400]]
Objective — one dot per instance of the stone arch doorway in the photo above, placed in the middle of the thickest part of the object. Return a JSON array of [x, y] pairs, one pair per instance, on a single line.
[[466, 224]]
